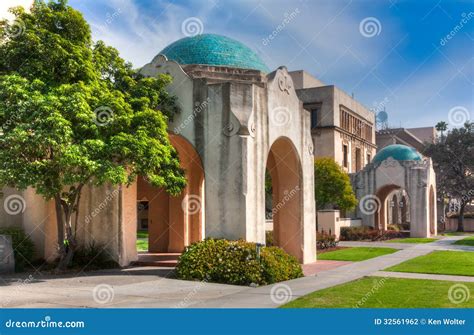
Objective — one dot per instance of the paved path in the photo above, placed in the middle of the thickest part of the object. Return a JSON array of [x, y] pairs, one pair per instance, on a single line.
[[153, 287]]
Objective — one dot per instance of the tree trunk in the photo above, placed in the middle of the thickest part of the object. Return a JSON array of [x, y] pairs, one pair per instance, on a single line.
[[60, 225], [461, 218]]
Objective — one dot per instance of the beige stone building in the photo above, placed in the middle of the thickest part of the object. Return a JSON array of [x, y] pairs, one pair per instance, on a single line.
[[341, 127]]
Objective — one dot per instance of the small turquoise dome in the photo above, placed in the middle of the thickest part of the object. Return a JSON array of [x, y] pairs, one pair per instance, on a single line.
[[211, 49], [398, 152]]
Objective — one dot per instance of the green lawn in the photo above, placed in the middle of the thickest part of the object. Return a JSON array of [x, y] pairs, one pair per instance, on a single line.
[[356, 254], [142, 245], [413, 240], [439, 262], [455, 233], [142, 234], [466, 241], [379, 292]]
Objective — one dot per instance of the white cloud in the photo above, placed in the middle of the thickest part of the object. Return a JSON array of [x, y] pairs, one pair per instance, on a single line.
[[6, 4]]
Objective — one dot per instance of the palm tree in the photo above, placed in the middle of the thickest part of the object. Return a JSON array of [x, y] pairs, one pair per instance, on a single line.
[[441, 126]]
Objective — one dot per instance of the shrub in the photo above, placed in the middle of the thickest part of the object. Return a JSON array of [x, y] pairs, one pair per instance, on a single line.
[[325, 241], [278, 265], [269, 238], [92, 257], [235, 262], [368, 233], [23, 247]]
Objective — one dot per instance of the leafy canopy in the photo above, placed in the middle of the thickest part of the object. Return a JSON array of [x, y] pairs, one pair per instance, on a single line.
[[74, 112], [332, 185]]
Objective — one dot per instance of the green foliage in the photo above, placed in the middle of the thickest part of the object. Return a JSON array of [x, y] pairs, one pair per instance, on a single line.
[[368, 233], [235, 262], [325, 240], [453, 158], [23, 247], [76, 112], [73, 113], [332, 186], [278, 265]]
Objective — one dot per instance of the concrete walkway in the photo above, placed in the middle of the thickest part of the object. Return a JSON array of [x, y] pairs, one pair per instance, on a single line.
[[154, 287]]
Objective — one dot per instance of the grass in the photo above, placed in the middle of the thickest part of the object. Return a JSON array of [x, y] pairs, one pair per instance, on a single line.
[[142, 234], [378, 292], [466, 241], [456, 233], [142, 240], [459, 263], [355, 254], [413, 240]]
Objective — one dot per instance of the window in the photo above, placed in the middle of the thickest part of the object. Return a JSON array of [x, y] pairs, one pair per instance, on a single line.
[[314, 118], [358, 160], [344, 153], [368, 158]]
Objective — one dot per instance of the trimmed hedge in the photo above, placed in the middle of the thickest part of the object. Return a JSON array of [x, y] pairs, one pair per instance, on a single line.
[[23, 247], [368, 233], [235, 262]]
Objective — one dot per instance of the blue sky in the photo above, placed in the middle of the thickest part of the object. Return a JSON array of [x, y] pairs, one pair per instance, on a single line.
[[404, 66]]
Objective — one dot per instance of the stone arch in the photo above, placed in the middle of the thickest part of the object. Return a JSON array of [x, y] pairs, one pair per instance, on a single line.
[[175, 222], [380, 215], [284, 167], [432, 204]]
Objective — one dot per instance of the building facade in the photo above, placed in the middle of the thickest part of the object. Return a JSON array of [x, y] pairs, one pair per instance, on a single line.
[[341, 127]]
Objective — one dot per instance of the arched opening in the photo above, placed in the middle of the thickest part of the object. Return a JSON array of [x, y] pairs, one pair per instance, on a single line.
[[391, 209], [395, 207], [285, 176], [432, 204], [172, 223]]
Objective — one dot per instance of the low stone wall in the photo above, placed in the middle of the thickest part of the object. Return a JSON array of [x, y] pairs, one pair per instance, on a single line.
[[452, 224], [330, 221], [7, 261]]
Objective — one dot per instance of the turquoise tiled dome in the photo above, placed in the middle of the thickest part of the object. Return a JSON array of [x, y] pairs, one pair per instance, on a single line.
[[211, 49], [398, 152]]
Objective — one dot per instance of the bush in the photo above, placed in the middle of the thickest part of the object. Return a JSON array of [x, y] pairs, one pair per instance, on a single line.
[[235, 262], [93, 257], [325, 241], [23, 247], [269, 238], [278, 265], [368, 233]]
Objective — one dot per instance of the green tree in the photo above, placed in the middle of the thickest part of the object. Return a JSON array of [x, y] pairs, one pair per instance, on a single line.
[[441, 126], [453, 160], [73, 113], [332, 186]]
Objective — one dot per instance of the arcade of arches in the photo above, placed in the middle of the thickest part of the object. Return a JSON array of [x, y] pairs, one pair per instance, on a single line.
[[173, 222]]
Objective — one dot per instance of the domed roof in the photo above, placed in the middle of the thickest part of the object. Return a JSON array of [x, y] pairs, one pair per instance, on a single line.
[[398, 152], [211, 49]]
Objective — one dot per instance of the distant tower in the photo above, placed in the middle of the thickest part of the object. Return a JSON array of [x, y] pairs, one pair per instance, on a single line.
[[381, 120]]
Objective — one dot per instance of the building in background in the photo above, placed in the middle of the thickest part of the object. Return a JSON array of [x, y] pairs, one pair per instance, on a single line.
[[412, 137], [341, 127]]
